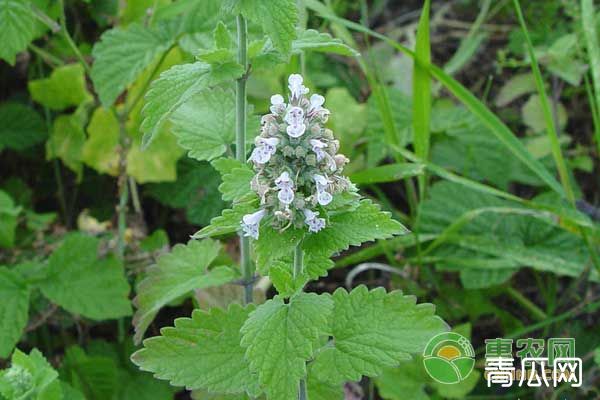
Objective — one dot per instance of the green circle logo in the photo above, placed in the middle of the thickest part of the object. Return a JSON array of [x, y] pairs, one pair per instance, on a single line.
[[449, 357]]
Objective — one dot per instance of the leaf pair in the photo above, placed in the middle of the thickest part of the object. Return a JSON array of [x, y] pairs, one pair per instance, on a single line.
[[267, 348]]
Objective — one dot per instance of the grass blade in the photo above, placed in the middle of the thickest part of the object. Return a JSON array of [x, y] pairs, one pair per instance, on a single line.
[[593, 50], [387, 173], [422, 92], [487, 117], [546, 110]]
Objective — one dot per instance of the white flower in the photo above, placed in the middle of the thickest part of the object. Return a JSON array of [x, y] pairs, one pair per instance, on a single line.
[[297, 89], [314, 224], [265, 148], [251, 222], [323, 197], [277, 104], [316, 102], [285, 186], [295, 116], [317, 147], [296, 131], [321, 181]]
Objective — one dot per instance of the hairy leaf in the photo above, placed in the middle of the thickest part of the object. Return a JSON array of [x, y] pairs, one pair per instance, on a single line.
[[229, 220], [176, 273], [205, 125], [279, 339], [14, 309], [277, 18], [371, 330], [176, 86], [30, 376], [201, 352], [17, 28], [83, 284], [122, 54]]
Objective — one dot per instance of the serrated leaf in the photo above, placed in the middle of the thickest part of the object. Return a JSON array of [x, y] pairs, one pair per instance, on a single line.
[[365, 223], [14, 309], [201, 352], [121, 55], [20, 126], [100, 149], [279, 339], [8, 220], [175, 274], [30, 376], [229, 220], [83, 284], [205, 125], [277, 18], [372, 330], [236, 184], [176, 86], [64, 88], [17, 28], [222, 37], [313, 40]]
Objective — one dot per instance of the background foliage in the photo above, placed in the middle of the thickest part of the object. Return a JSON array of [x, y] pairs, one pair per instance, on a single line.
[[475, 123]]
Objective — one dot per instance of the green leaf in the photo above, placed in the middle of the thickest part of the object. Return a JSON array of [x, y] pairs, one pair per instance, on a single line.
[[372, 330], [405, 381], [348, 117], [83, 284], [94, 376], [229, 220], [318, 390], [100, 149], [64, 88], [279, 340], [17, 28], [14, 309], [176, 86], [66, 142], [222, 37], [312, 40], [201, 352], [422, 92], [20, 126], [236, 184], [365, 223], [195, 191], [175, 274], [387, 173], [30, 376], [8, 220], [122, 54], [504, 231], [514, 88], [277, 18], [205, 125]]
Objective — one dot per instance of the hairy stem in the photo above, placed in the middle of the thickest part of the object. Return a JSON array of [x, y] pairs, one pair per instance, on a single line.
[[298, 269], [240, 148]]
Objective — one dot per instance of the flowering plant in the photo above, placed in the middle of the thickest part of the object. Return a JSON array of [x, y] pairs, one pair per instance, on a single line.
[[297, 166]]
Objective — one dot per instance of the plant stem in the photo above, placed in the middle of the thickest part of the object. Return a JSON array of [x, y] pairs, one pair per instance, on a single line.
[[302, 393], [123, 188], [298, 269], [535, 311], [70, 42], [240, 148], [298, 261]]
